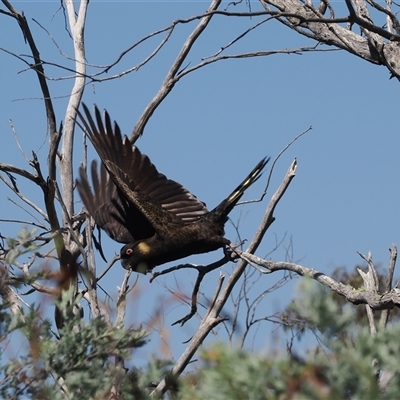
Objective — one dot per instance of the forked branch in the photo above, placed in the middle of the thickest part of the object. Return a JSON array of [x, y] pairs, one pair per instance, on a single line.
[[212, 317], [369, 295]]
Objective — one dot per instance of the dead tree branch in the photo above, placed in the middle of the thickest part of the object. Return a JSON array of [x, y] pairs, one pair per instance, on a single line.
[[375, 44], [77, 28], [371, 297], [170, 79], [212, 317]]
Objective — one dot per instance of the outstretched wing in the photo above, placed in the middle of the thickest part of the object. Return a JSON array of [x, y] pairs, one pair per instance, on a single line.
[[163, 202], [108, 206]]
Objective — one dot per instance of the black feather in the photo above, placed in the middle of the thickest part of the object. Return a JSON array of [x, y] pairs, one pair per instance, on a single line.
[[157, 218]]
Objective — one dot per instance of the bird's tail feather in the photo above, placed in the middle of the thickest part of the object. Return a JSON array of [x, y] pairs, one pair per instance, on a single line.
[[226, 206]]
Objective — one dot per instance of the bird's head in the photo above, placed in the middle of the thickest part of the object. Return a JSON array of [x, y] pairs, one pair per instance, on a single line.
[[134, 255]]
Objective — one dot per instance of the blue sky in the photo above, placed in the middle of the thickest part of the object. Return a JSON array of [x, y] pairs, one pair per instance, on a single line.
[[216, 125]]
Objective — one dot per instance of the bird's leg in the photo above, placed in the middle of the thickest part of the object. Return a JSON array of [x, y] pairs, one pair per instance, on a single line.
[[230, 249]]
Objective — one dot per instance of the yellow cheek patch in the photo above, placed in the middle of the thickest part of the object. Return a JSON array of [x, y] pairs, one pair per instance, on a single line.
[[144, 248]]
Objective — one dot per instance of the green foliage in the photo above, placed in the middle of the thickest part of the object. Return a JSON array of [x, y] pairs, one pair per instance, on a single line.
[[25, 244], [237, 375], [5, 320], [85, 360], [315, 305], [140, 382], [346, 367], [80, 361]]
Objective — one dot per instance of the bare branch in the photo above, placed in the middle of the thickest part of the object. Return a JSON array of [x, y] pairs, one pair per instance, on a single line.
[[297, 51], [37, 66], [77, 27], [212, 317], [356, 296], [121, 301], [24, 199], [388, 283], [392, 265], [18, 221], [19, 171], [375, 44], [169, 80], [108, 267], [202, 271], [371, 283], [17, 140], [274, 163]]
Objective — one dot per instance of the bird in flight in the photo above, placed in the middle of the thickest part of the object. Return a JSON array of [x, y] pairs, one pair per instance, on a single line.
[[156, 218]]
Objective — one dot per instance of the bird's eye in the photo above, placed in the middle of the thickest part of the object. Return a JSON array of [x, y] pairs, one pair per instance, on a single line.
[[128, 252]]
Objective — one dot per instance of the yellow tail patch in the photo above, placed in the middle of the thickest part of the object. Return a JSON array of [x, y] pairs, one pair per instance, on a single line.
[[244, 185]]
